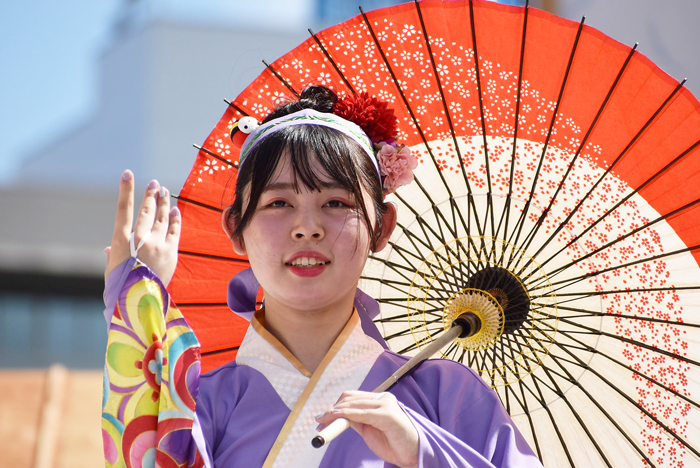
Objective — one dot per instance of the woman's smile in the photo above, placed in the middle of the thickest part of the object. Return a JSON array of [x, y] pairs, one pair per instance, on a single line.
[[307, 263]]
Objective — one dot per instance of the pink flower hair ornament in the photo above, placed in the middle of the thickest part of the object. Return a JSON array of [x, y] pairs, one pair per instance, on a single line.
[[396, 164]]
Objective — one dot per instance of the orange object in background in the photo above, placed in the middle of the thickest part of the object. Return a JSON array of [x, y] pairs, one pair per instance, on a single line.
[[50, 418]]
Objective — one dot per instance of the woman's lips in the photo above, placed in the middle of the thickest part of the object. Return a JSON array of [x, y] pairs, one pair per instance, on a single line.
[[307, 271], [301, 263]]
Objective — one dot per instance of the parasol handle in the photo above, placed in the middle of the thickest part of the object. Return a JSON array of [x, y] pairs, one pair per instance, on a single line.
[[467, 324]]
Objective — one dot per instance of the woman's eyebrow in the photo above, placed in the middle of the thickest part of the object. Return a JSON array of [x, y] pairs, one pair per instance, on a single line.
[[290, 186], [279, 186], [332, 185]]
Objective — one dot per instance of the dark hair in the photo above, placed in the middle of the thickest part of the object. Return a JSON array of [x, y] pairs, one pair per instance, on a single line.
[[341, 158]]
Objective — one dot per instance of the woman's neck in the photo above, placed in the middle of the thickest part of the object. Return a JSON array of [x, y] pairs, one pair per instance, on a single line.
[[307, 334]]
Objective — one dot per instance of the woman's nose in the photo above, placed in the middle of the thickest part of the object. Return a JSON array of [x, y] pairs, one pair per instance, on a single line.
[[308, 226]]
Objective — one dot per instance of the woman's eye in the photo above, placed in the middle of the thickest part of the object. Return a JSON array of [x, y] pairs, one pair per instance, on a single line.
[[336, 204], [278, 204]]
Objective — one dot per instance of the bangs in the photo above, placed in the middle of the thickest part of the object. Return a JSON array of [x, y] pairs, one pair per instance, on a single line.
[[338, 156]]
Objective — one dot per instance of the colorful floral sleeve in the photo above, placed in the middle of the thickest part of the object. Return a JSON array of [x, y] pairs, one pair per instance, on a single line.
[[151, 378]]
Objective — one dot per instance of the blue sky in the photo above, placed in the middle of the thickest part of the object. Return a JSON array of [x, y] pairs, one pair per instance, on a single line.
[[49, 51]]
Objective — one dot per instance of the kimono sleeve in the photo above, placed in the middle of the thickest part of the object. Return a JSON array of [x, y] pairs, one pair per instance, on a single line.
[[470, 427], [151, 378]]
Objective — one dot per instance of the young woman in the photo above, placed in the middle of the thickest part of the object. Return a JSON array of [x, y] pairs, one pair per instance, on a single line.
[[309, 208]]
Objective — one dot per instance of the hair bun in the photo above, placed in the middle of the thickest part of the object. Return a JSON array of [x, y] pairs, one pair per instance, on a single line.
[[320, 98]]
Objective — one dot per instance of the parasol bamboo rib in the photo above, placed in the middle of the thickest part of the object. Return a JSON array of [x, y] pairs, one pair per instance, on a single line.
[[194, 202], [284, 82], [523, 214], [605, 173], [531, 236], [330, 59]]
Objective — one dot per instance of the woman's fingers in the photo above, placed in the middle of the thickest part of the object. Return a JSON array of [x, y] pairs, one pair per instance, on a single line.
[[125, 208], [162, 216], [156, 232], [173, 236], [119, 250], [147, 212], [381, 422]]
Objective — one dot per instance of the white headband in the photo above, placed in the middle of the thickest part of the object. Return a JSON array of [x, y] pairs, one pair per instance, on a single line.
[[310, 117]]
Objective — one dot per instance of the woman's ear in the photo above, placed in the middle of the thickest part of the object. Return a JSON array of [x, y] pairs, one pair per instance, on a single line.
[[388, 226], [229, 224]]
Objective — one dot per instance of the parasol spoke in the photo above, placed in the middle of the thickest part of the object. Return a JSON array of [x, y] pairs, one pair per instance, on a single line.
[[479, 93], [219, 351], [523, 214], [516, 124], [593, 351], [440, 277], [639, 407], [592, 313], [528, 241], [194, 202], [626, 291], [624, 265], [436, 74], [621, 431], [539, 397], [387, 282], [282, 80], [602, 177], [213, 257], [624, 237], [407, 106], [621, 202], [330, 59], [216, 156], [523, 399], [236, 108], [576, 414], [631, 341], [555, 389], [416, 125], [426, 193]]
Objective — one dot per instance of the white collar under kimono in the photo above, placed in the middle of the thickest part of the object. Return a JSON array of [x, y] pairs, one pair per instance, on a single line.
[[344, 367]]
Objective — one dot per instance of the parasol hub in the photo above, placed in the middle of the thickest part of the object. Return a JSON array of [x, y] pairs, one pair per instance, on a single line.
[[487, 311]]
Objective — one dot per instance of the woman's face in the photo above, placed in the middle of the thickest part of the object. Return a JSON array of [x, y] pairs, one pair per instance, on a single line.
[[307, 249]]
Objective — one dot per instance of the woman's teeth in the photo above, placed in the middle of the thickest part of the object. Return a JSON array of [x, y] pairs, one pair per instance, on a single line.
[[307, 261]]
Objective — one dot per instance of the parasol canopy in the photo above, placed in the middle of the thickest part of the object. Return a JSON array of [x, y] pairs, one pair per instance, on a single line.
[[556, 195]]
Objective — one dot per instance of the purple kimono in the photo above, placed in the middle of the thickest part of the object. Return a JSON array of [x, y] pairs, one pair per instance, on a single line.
[[239, 414]]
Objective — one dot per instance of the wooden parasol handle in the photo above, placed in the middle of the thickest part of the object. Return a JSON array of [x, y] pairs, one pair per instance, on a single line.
[[465, 325]]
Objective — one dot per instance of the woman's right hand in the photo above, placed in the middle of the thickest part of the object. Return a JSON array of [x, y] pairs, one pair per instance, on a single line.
[[159, 251]]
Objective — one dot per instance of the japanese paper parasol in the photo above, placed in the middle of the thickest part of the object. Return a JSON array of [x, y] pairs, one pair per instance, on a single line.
[[556, 195]]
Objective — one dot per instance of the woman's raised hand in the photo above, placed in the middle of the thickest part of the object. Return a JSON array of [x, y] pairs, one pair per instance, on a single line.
[[156, 225], [381, 422]]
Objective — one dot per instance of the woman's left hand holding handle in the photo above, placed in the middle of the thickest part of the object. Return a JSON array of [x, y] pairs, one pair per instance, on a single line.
[[381, 422], [157, 228]]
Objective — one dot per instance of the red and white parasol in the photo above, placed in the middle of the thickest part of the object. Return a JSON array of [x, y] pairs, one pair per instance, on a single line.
[[559, 178]]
